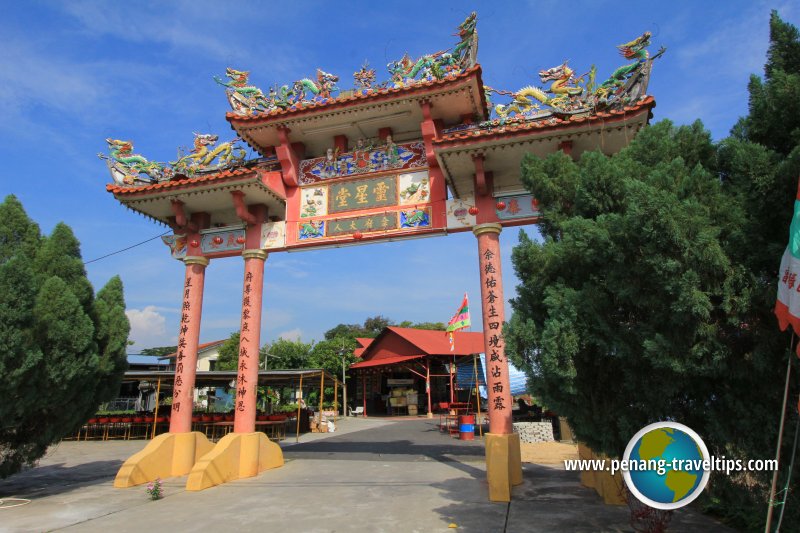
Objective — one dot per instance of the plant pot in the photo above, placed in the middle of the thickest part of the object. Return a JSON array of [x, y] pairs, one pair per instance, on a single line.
[[149, 419], [205, 418], [217, 418], [103, 420], [261, 418], [92, 421], [114, 419], [161, 419], [126, 419], [229, 418], [138, 419]]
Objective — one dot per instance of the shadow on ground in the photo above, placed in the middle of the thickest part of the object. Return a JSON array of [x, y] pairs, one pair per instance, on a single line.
[[53, 479]]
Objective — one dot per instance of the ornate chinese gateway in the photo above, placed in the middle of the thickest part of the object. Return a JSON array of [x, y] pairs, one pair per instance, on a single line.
[[430, 150]]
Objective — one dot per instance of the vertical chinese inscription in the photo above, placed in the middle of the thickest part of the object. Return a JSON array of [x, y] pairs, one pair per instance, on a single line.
[[496, 344], [177, 399], [244, 357]]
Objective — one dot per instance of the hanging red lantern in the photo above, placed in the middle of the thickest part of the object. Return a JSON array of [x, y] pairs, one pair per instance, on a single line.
[[535, 203], [195, 243], [217, 240], [358, 235], [473, 210], [240, 240], [500, 205]]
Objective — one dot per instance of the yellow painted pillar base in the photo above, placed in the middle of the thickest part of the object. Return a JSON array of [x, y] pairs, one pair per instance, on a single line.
[[587, 476], [503, 465], [610, 488], [236, 456], [167, 455]]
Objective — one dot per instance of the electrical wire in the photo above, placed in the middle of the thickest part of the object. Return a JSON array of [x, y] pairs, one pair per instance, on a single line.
[[128, 248]]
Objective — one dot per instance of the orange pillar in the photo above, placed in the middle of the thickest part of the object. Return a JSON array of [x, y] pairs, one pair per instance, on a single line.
[[503, 465], [492, 305], [249, 339], [188, 339]]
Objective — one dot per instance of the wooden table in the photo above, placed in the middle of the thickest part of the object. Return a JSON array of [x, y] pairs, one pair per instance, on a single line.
[[277, 428]]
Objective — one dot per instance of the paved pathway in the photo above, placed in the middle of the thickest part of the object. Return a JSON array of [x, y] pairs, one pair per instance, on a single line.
[[373, 475]]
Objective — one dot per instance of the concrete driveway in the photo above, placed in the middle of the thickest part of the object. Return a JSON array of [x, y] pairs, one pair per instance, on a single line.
[[373, 475]]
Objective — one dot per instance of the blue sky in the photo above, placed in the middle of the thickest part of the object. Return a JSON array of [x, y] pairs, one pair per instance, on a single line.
[[74, 73]]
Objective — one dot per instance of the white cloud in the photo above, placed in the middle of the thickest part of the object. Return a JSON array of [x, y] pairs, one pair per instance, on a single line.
[[291, 335], [148, 328]]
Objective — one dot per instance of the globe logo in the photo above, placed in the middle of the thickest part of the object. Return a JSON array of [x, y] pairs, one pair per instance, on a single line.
[[668, 465]]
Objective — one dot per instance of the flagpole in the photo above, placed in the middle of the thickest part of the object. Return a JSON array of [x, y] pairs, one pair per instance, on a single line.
[[770, 505]]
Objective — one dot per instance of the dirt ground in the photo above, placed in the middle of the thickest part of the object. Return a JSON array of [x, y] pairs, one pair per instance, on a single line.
[[548, 453]]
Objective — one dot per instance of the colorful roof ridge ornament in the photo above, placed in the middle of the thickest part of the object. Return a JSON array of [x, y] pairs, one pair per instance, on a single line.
[[247, 99], [205, 157], [442, 64], [129, 169], [204, 152], [579, 96], [364, 78]]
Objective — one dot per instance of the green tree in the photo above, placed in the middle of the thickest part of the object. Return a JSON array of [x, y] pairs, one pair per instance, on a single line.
[[651, 295], [62, 352], [288, 354], [328, 354], [228, 358], [159, 351]]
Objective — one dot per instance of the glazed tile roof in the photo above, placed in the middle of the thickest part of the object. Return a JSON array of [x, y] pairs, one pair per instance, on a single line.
[[222, 176], [375, 95], [550, 123]]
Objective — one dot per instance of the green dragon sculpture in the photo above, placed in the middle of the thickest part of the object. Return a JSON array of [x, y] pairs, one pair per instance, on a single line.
[[466, 50], [243, 98], [247, 99], [128, 168], [568, 94], [635, 51]]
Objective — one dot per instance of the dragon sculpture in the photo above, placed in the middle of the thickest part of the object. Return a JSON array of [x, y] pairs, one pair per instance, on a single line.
[[128, 168], [247, 99], [569, 94], [633, 51], [204, 152], [466, 50], [243, 98], [564, 89], [325, 84], [431, 66]]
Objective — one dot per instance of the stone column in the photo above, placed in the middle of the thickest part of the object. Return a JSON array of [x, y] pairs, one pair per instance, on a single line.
[[503, 465], [188, 339], [250, 337]]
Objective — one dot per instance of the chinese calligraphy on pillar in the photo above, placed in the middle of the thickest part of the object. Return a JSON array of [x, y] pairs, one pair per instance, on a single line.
[[496, 345], [178, 399], [245, 357]]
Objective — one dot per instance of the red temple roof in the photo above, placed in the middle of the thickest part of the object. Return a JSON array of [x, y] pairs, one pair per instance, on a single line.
[[396, 345]]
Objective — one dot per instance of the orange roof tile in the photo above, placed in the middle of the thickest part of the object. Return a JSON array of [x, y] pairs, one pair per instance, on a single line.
[[221, 176]]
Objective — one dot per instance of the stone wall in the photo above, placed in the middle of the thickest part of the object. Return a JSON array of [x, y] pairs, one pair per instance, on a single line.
[[534, 431]]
